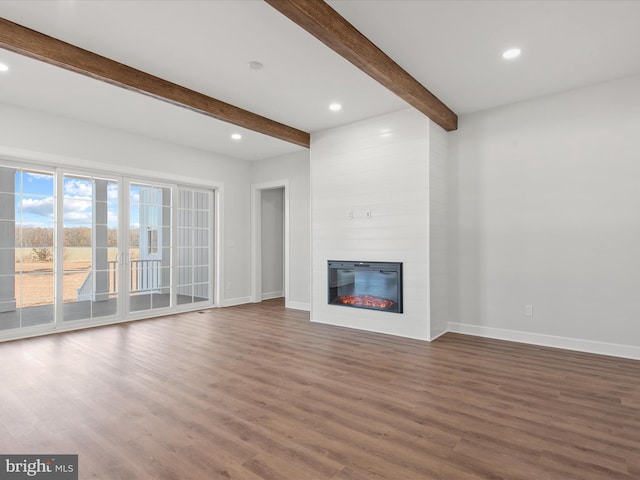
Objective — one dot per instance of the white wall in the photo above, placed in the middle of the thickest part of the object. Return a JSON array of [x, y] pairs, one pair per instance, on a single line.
[[438, 231], [295, 169], [44, 138], [272, 244], [545, 198], [379, 164]]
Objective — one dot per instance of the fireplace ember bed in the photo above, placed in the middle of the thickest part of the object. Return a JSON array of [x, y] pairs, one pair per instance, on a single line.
[[369, 285]]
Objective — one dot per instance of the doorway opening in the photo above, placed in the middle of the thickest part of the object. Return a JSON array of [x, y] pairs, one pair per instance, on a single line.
[[270, 241]]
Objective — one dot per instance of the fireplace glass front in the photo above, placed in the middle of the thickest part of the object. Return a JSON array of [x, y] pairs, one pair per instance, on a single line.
[[370, 285]]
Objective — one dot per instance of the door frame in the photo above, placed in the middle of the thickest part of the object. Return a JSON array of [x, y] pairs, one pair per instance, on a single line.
[[256, 238]]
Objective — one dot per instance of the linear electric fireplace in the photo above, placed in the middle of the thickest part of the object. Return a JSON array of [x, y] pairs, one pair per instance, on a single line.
[[370, 285]]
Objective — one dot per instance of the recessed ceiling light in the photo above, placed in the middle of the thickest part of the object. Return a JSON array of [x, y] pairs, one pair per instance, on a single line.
[[236, 136], [3, 67], [511, 53], [335, 107], [255, 65]]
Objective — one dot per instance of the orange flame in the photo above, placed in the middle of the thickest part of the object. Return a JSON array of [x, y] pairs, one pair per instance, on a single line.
[[365, 301]]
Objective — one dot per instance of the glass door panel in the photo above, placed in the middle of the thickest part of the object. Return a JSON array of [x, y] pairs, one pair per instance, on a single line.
[[149, 258], [193, 237], [26, 248], [90, 252]]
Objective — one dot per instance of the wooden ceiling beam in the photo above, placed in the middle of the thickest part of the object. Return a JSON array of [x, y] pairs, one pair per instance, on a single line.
[[328, 26], [30, 43]]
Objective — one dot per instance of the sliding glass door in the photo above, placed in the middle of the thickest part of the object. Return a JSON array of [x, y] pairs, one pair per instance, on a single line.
[[78, 248], [170, 244]]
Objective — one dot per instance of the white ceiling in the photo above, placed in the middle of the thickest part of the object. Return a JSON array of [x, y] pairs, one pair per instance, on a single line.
[[452, 47]]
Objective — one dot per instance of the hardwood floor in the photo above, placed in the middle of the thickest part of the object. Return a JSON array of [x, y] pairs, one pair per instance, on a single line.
[[258, 392]]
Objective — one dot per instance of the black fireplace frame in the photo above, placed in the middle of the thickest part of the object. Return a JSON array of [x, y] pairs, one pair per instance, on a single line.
[[382, 267]]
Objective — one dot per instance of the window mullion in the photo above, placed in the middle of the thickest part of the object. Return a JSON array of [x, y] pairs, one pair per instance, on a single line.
[[58, 246]]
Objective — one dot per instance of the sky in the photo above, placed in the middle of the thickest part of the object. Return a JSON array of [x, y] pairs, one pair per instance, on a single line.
[[35, 201]]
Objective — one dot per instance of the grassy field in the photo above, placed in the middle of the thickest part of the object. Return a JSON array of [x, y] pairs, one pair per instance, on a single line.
[[34, 280]]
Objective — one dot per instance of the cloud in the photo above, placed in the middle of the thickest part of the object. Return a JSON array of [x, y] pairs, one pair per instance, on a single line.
[[112, 191], [37, 206], [77, 218], [134, 197], [77, 187], [31, 176], [112, 219], [77, 211], [77, 204]]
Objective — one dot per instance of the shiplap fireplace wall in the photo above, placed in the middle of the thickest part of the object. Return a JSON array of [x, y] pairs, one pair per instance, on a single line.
[[378, 194]]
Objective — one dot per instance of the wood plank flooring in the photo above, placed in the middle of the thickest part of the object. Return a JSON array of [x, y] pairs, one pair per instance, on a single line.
[[258, 392]]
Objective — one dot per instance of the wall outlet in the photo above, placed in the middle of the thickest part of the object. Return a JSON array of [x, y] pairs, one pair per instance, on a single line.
[[528, 310], [368, 214], [350, 214]]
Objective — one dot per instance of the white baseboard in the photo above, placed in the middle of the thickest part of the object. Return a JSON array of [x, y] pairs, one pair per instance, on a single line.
[[588, 346], [270, 295], [230, 302], [298, 306]]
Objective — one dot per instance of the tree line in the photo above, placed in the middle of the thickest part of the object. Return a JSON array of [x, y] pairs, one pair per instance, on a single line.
[[39, 237]]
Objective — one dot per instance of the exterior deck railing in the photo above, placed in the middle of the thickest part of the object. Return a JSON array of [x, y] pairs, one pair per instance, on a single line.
[[143, 275]]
